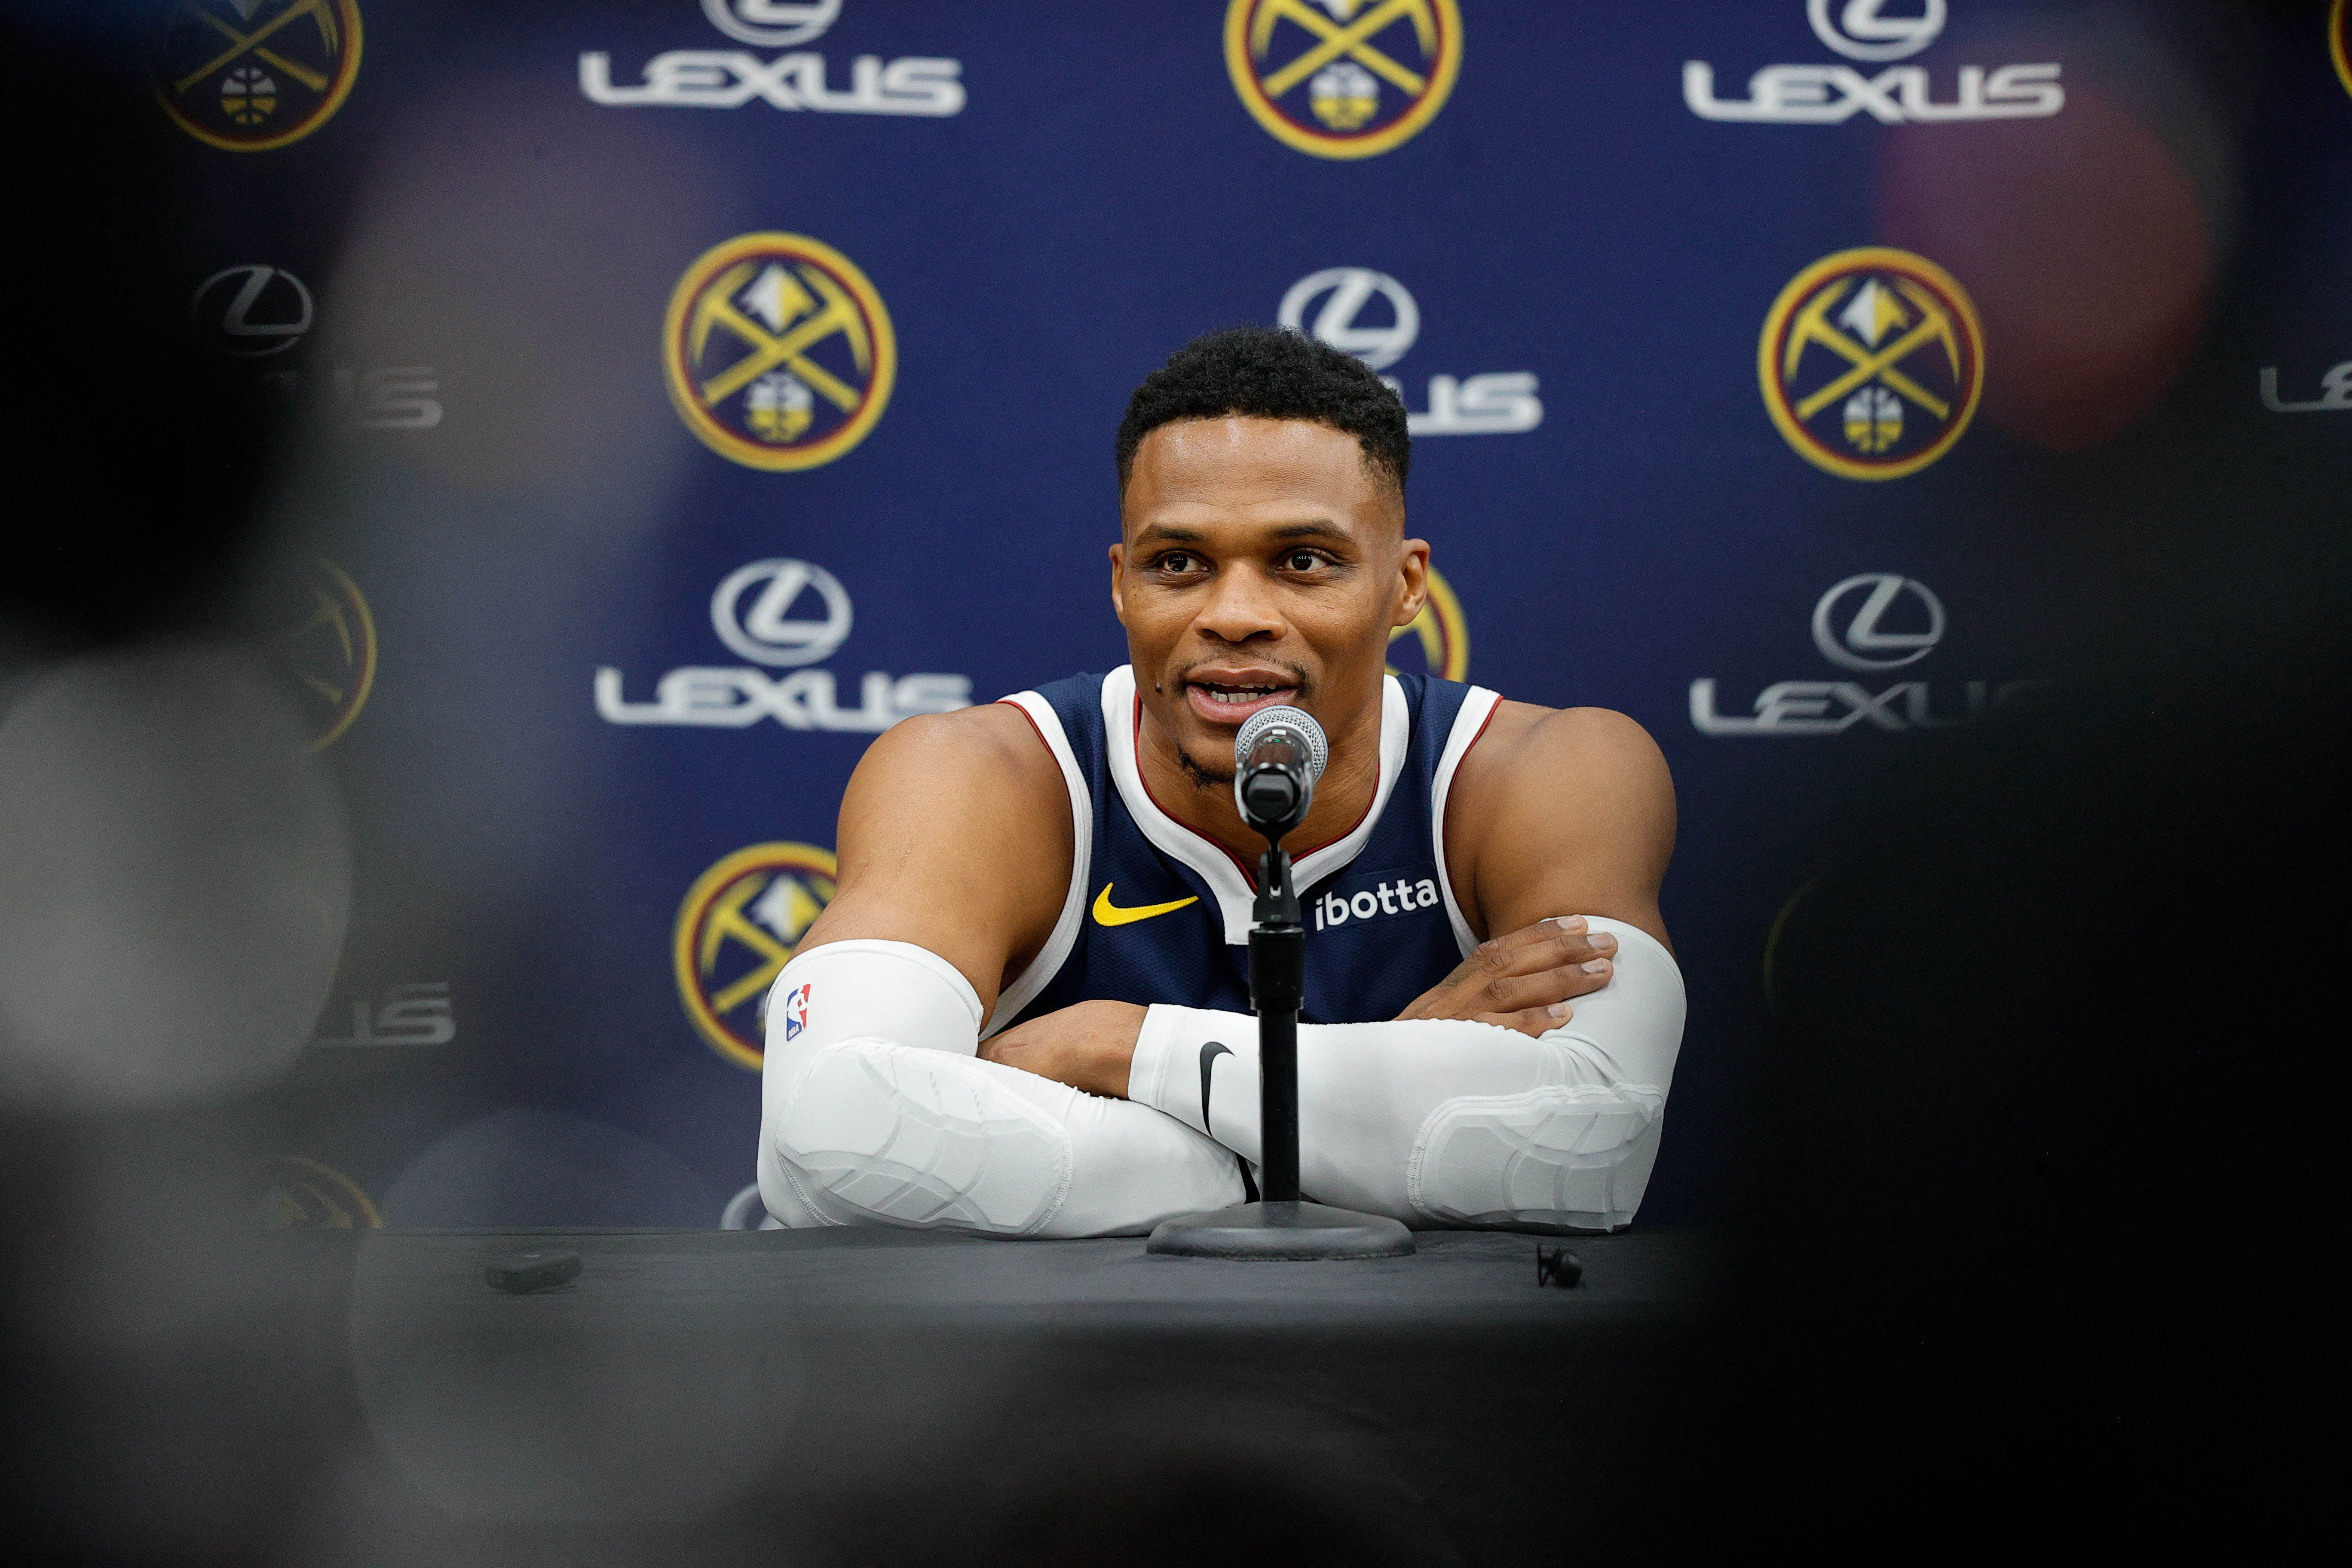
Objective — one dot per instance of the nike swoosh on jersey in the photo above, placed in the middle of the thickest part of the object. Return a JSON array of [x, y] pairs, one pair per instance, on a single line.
[[1110, 914], [1209, 1055]]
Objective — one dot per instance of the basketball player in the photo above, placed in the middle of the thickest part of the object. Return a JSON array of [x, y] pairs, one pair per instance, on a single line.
[[1026, 1011]]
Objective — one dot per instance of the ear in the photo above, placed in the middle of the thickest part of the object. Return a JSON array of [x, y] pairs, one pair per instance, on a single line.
[[1412, 581], [1117, 572]]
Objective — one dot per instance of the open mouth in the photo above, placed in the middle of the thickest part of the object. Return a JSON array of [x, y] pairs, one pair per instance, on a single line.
[[1229, 701]]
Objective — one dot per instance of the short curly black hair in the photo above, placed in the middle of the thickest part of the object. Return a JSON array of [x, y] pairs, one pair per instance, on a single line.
[[1269, 372]]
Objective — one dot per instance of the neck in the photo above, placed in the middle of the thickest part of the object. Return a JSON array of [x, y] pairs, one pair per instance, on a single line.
[[1342, 796]]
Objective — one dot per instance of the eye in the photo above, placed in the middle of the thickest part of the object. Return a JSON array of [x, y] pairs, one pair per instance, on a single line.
[[1178, 562], [1302, 561]]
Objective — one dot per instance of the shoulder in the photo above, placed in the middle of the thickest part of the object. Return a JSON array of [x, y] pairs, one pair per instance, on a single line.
[[955, 836], [994, 747], [979, 780], [1559, 811], [1572, 807], [1548, 752]]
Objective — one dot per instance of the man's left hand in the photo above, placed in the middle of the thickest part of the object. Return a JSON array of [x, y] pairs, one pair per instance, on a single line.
[[1088, 1046]]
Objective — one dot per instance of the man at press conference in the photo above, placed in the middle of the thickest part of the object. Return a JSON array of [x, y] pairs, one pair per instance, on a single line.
[[1022, 1013]]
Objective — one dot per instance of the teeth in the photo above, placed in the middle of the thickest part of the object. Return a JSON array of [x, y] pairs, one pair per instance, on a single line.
[[1238, 693]]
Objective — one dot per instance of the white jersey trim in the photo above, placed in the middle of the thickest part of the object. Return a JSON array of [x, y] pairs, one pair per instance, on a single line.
[[1217, 868], [1059, 946], [1468, 725]]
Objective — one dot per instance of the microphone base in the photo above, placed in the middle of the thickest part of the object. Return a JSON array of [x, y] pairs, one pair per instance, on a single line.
[[1278, 1232]]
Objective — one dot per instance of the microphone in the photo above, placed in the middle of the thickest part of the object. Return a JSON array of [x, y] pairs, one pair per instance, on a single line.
[[1277, 757]]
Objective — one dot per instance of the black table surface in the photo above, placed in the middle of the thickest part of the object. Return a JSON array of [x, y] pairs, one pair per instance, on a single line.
[[1454, 1277], [869, 1394]]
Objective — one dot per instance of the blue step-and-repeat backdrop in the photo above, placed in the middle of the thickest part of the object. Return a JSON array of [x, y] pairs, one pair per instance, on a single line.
[[689, 391]]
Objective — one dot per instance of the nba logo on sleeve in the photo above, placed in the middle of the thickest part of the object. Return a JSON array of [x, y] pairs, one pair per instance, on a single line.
[[796, 1003]]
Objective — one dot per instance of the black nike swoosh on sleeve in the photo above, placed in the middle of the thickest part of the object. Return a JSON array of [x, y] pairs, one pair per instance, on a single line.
[[1209, 1055]]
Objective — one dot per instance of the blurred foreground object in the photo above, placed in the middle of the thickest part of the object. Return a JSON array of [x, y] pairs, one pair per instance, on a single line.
[[179, 881]]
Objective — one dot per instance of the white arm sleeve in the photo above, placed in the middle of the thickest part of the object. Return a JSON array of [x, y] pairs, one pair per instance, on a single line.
[[875, 1111], [1445, 1122]]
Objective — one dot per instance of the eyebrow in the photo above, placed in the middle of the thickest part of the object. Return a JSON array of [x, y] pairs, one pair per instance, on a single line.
[[1322, 528]]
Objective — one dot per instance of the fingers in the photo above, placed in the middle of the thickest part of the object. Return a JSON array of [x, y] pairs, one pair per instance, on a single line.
[[1549, 968], [1534, 1022], [1521, 973], [1008, 1046], [1547, 944]]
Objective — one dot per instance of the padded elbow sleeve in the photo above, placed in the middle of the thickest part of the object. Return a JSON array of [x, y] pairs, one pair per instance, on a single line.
[[826, 996], [1447, 1122], [875, 1111], [1574, 1152]]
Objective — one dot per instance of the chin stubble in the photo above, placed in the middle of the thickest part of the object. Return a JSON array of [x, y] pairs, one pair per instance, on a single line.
[[1203, 778]]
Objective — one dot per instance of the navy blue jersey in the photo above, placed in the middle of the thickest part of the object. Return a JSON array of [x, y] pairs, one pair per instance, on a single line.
[[1157, 912]]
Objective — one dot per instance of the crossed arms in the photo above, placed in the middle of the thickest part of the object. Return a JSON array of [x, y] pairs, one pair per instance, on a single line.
[[956, 836]]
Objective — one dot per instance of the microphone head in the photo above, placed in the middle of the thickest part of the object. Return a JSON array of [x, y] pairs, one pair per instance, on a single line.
[[1254, 728], [1277, 757]]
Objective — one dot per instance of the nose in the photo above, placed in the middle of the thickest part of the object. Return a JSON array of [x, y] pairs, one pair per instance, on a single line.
[[1241, 606]]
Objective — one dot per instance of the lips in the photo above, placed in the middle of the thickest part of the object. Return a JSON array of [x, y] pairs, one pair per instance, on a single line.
[[1230, 696]]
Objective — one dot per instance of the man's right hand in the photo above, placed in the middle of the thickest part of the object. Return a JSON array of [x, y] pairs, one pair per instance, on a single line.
[[1524, 981]]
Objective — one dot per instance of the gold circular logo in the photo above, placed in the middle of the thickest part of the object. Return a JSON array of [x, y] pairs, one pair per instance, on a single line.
[[1444, 636], [777, 352], [326, 644], [1871, 361], [251, 75], [1343, 78], [735, 930], [2339, 41], [303, 1194]]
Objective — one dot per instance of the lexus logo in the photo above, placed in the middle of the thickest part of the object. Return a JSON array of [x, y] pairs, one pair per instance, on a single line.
[[1864, 623], [779, 612], [1860, 33], [1350, 289], [1860, 644], [774, 24], [252, 309], [764, 634]]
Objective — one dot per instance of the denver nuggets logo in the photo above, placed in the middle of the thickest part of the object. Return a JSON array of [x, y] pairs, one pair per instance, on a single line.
[[735, 932], [251, 75], [2339, 41], [1440, 632], [1871, 361], [1343, 78], [778, 351], [326, 646], [303, 1194]]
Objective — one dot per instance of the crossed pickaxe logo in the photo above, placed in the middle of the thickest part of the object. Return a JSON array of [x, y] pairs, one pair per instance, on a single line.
[[1812, 326], [327, 611], [808, 319], [330, 653], [321, 12], [1335, 40], [726, 920]]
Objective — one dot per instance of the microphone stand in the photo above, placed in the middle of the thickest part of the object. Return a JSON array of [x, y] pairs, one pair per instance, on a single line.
[[1277, 972], [1281, 1226]]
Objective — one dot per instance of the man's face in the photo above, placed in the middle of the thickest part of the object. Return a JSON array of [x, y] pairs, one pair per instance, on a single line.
[[1260, 562]]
